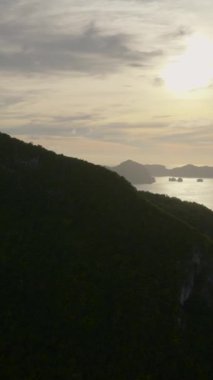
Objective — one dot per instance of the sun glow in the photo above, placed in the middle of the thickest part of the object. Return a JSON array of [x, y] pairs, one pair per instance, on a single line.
[[193, 69]]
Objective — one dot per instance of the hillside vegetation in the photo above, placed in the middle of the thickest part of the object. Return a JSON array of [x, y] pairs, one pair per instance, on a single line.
[[97, 280], [198, 216]]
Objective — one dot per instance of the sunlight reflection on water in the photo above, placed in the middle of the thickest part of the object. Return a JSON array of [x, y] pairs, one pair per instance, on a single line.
[[188, 190]]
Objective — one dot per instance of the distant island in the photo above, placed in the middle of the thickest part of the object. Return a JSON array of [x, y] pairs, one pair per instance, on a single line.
[[134, 172], [137, 173], [186, 171]]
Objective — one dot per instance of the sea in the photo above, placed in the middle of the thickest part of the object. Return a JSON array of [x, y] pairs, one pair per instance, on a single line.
[[188, 190]]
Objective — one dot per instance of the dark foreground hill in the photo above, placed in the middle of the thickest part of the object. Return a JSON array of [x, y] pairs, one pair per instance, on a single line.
[[97, 282], [198, 216]]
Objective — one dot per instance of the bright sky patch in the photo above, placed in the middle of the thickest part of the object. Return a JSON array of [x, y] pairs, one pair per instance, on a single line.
[[193, 69]]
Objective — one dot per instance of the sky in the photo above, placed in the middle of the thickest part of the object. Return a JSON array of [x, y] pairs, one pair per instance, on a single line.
[[109, 80]]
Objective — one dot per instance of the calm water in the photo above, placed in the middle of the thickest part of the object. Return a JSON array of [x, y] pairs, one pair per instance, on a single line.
[[188, 190]]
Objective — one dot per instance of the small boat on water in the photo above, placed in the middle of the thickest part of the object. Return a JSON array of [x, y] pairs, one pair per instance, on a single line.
[[200, 180], [173, 179]]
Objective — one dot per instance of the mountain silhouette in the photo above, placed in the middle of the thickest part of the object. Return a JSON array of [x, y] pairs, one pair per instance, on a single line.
[[134, 172], [98, 280]]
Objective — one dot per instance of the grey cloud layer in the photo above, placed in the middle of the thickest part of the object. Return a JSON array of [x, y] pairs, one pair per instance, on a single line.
[[27, 45], [83, 126], [138, 135], [38, 37]]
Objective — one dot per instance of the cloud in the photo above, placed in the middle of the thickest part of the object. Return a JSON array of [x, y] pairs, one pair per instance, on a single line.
[[158, 82], [34, 40], [86, 126], [193, 133], [180, 32], [14, 99], [77, 117], [7, 101]]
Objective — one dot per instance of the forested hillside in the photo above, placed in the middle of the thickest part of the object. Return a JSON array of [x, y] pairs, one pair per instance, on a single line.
[[97, 281], [195, 215]]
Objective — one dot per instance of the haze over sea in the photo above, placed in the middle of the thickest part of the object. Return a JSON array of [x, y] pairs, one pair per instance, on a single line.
[[188, 190]]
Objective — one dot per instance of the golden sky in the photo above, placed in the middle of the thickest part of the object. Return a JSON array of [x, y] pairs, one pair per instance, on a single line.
[[109, 80]]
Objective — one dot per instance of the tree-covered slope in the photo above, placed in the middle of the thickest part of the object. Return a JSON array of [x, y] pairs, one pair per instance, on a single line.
[[96, 282], [195, 215]]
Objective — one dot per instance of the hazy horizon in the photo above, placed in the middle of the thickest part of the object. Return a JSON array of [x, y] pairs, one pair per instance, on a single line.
[[110, 80]]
